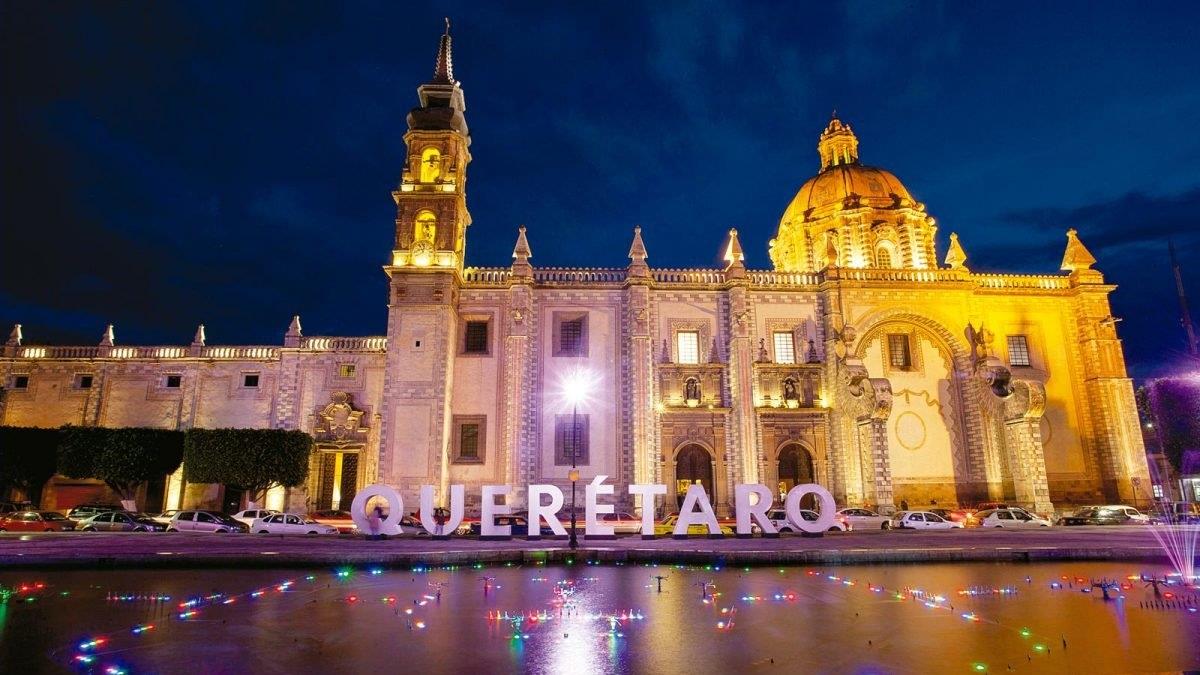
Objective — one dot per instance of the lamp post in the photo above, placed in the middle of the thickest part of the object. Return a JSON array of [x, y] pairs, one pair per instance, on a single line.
[[575, 392], [574, 474]]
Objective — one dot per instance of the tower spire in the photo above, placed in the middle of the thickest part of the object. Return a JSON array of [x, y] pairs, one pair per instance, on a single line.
[[443, 69], [956, 256], [638, 255], [1076, 257]]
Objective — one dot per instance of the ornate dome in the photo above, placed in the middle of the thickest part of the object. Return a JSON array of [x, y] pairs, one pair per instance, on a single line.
[[844, 182], [852, 215]]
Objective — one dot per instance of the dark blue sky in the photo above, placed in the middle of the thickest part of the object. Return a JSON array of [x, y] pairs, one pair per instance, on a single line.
[[167, 164]]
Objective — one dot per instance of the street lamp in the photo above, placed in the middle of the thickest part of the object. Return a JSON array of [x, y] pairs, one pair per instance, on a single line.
[[575, 390]]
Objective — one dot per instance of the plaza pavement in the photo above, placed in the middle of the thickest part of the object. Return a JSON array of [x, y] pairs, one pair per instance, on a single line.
[[91, 550]]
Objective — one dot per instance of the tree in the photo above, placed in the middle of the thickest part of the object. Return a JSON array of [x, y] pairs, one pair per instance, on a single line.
[[1174, 403], [28, 457], [254, 460], [123, 458]]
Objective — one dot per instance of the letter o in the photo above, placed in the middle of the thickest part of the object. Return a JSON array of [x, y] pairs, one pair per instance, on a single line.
[[825, 513], [358, 509]]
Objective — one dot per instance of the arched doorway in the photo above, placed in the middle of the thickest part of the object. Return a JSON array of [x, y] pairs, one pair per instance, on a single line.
[[693, 465], [795, 468]]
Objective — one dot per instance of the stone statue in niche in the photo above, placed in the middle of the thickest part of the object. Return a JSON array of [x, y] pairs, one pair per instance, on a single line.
[[691, 390], [790, 394]]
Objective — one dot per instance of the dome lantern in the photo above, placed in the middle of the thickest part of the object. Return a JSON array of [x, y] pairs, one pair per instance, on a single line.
[[838, 144]]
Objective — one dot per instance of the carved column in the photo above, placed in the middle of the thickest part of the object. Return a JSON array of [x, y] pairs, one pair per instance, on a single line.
[[743, 451], [516, 385], [639, 375], [871, 399], [1023, 410]]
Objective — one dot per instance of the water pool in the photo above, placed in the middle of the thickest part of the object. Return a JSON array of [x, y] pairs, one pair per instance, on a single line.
[[951, 618]]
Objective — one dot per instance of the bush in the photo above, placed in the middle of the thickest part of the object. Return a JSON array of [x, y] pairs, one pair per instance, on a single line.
[[254, 460]]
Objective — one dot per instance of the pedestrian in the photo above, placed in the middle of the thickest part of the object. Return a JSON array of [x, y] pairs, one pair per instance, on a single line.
[[903, 504], [375, 520], [439, 521]]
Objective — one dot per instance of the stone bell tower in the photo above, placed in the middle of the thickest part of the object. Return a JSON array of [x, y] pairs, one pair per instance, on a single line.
[[425, 274]]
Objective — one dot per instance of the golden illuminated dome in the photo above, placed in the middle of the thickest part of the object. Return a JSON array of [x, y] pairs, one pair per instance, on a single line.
[[844, 182], [852, 215]]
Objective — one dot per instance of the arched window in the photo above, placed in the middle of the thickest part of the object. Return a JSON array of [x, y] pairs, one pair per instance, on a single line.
[[425, 228], [886, 255], [431, 165]]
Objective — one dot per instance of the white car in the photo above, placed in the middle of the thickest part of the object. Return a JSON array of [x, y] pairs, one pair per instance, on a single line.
[[782, 523], [1011, 517], [923, 520], [250, 515], [289, 523], [204, 521], [865, 519], [622, 523], [1134, 516]]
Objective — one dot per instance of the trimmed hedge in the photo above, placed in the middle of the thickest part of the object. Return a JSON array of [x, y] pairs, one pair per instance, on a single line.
[[254, 460], [123, 458]]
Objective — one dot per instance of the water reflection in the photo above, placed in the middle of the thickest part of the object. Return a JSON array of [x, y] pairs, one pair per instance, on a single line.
[[584, 619]]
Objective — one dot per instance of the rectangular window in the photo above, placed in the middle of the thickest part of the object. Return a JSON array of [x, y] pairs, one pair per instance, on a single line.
[[1018, 350], [785, 347], [20, 381], [470, 433], [570, 334], [571, 438], [250, 380], [687, 343], [1158, 491], [83, 381], [475, 337], [899, 351], [173, 381], [346, 369]]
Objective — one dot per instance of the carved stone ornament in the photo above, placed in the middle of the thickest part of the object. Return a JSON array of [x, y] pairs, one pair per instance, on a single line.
[[870, 396], [1028, 401], [995, 374], [339, 421]]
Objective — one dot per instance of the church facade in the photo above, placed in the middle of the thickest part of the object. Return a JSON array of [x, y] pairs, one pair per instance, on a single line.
[[865, 361]]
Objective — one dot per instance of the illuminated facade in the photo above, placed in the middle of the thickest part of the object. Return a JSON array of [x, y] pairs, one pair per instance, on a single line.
[[859, 362]]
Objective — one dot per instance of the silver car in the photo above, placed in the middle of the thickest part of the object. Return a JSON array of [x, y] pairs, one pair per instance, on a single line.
[[205, 521], [120, 521]]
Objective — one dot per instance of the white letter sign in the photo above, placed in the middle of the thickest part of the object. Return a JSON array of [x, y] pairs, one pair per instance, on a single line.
[[548, 512]]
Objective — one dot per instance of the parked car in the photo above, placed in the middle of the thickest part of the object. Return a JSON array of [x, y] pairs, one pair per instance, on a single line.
[[342, 520], [36, 521], [622, 522], [1010, 517], [519, 525], [1105, 515], [248, 516], [81, 511], [865, 519], [13, 507], [165, 517], [782, 523], [205, 521], [963, 516], [667, 527], [120, 521], [289, 523], [923, 520], [1180, 513]]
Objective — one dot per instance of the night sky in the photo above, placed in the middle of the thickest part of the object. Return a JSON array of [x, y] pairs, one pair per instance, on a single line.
[[167, 164]]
